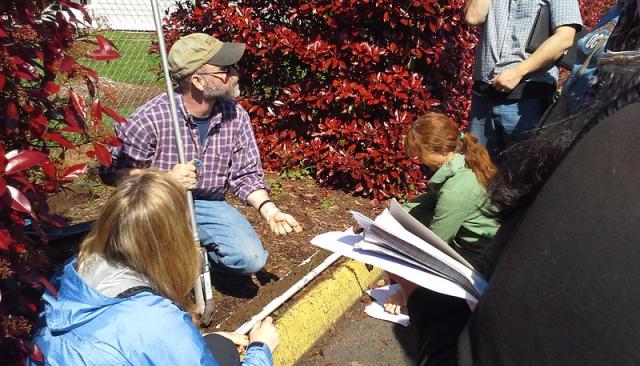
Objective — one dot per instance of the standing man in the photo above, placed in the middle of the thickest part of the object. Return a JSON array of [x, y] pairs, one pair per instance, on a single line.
[[512, 88], [221, 147]]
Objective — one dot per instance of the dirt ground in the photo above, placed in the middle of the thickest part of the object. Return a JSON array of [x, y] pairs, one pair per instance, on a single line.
[[238, 299]]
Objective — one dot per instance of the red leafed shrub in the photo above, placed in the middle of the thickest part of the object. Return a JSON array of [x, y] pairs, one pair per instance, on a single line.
[[48, 103], [332, 86], [593, 10]]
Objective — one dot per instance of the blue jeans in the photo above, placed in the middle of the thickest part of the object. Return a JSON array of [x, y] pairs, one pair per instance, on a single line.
[[500, 124], [229, 238]]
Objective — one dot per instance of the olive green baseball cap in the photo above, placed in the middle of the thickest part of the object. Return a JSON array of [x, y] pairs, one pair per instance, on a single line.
[[191, 52]]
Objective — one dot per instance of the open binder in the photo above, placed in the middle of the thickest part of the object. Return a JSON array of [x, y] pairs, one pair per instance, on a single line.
[[398, 243]]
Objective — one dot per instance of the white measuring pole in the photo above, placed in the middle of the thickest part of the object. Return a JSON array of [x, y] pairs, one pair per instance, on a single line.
[[202, 288], [278, 301]]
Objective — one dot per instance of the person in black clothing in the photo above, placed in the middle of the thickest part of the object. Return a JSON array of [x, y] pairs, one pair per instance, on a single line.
[[562, 288]]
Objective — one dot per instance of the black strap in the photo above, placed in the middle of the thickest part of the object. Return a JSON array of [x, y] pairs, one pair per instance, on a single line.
[[258, 344], [262, 204], [560, 109], [134, 291]]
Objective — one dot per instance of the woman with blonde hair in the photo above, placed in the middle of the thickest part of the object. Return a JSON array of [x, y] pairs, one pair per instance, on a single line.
[[126, 298], [455, 206]]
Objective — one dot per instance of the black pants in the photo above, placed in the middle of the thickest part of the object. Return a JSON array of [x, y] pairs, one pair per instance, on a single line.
[[438, 320], [224, 351]]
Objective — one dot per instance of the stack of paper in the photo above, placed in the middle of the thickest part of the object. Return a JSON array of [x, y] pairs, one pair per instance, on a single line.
[[398, 243]]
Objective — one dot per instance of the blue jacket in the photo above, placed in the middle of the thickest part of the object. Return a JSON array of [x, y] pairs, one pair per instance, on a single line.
[[83, 327], [586, 45]]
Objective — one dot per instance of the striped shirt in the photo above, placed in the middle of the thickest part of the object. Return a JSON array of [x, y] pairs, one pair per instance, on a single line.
[[229, 158], [506, 31]]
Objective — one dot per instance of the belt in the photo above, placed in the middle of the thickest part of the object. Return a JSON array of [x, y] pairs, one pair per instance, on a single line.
[[524, 90]]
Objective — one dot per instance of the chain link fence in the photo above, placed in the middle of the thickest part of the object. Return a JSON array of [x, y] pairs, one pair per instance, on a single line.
[[134, 78]]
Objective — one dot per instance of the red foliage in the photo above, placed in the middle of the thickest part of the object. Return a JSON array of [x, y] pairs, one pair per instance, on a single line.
[[332, 86], [37, 105], [593, 10]]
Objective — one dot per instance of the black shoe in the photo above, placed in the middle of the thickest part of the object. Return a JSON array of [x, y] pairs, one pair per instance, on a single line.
[[234, 284], [265, 277]]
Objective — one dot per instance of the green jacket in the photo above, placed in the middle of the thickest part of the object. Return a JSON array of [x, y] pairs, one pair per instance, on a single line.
[[455, 208]]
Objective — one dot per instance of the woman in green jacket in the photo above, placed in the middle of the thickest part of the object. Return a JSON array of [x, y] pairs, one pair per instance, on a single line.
[[456, 206]]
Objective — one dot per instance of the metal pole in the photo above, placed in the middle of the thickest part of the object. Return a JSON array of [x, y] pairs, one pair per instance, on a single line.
[[202, 287]]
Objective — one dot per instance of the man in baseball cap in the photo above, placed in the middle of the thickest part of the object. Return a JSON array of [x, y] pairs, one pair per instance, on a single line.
[[191, 52], [221, 147]]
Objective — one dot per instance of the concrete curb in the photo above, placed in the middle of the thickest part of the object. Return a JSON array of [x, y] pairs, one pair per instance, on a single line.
[[312, 315]]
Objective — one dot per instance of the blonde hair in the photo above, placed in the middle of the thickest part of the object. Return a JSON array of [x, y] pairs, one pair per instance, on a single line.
[[145, 226], [437, 133]]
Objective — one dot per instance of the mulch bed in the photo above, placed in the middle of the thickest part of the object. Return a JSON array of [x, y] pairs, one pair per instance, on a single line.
[[238, 299]]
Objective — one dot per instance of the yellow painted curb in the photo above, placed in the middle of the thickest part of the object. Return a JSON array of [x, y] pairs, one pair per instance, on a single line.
[[306, 321]]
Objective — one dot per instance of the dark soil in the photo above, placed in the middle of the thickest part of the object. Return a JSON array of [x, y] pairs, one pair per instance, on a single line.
[[238, 299]]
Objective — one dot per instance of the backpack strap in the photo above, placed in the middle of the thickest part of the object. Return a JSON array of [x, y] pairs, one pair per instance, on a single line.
[[600, 45], [134, 291], [138, 289], [560, 109]]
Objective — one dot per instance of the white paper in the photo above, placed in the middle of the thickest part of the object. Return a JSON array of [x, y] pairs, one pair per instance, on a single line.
[[389, 224], [343, 243], [362, 220], [414, 226], [376, 308], [365, 245]]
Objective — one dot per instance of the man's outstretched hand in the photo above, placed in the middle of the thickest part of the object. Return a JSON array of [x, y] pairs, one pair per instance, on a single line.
[[279, 222], [282, 223]]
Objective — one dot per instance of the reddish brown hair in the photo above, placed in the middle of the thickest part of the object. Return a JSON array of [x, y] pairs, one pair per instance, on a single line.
[[437, 133]]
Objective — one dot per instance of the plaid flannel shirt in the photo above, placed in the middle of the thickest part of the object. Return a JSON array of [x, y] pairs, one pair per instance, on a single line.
[[229, 157]]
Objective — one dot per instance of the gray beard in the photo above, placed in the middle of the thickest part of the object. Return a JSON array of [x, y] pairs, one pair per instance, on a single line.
[[212, 94]]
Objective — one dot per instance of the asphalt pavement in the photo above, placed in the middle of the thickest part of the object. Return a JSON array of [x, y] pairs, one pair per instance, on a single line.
[[358, 340]]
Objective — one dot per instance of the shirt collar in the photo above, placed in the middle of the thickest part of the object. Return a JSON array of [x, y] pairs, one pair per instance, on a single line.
[[449, 169], [218, 109]]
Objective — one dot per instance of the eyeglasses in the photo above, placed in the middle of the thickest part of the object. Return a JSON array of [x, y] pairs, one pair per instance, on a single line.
[[227, 69], [226, 72]]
